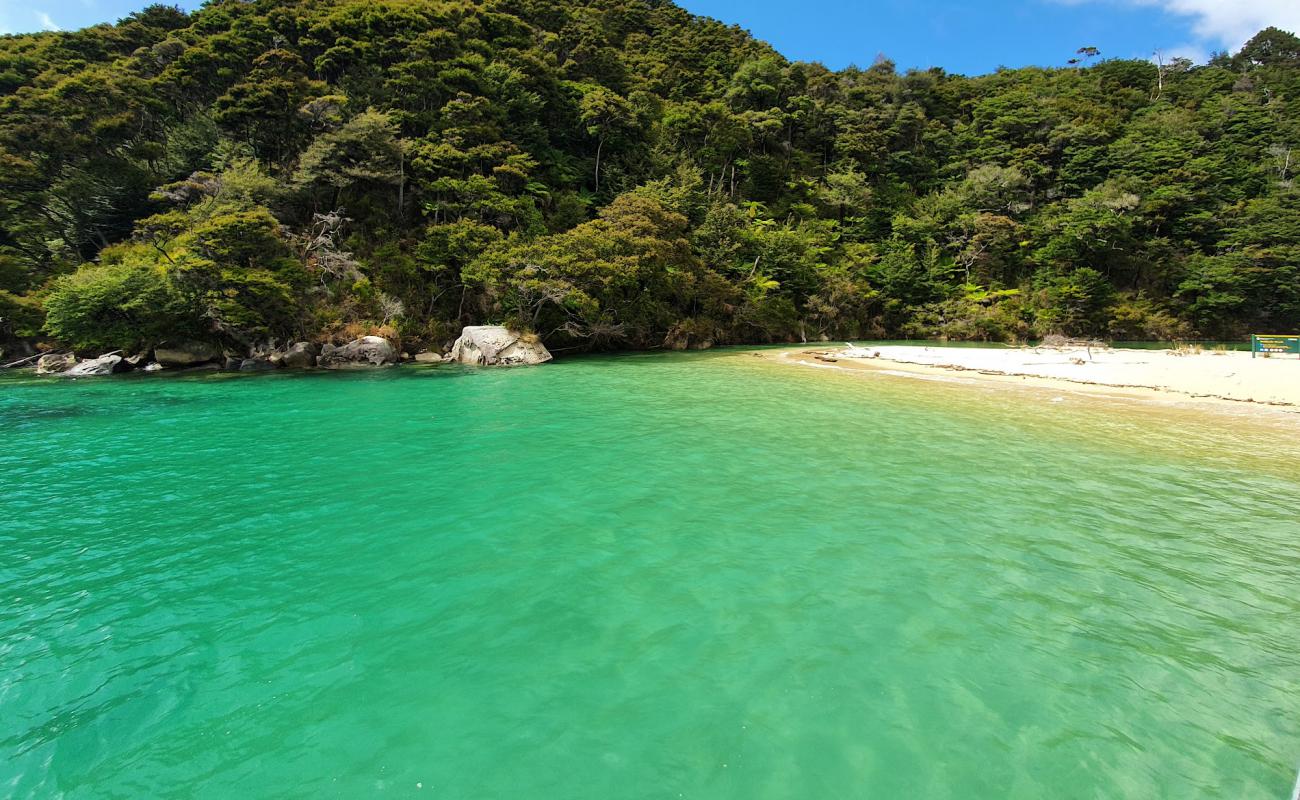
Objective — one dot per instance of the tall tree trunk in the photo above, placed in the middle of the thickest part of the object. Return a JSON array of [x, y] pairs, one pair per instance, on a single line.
[[599, 147]]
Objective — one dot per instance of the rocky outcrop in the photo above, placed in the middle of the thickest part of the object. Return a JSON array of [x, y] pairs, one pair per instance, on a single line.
[[683, 339], [185, 353], [104, 365], [494, 345], [54, 363], [299, 356], [368, 351]]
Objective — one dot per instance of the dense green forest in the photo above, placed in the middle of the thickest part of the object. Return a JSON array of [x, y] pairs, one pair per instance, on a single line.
[[620, 173]]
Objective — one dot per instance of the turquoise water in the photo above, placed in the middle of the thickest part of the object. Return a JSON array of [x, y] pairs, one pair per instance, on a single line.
[[695, 575]]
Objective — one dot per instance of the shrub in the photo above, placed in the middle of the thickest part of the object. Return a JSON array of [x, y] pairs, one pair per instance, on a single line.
[[120, 306], [1141, 319], [976, 314], [1075, 303], [236, 267]]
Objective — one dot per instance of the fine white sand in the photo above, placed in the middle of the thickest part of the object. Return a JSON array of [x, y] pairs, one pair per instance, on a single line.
[[1225, 376]]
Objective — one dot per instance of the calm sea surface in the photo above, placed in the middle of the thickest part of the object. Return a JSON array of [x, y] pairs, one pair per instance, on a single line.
[[692, 575]]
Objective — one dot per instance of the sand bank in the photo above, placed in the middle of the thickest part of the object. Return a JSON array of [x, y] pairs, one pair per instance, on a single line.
[[1231, 376]]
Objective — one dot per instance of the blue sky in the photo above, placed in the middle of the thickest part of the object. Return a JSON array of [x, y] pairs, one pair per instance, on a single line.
[[969, 37]]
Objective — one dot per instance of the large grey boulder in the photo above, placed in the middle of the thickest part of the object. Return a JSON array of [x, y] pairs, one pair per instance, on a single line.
[[368, 351], [104, 365], [299, 356], [54, 363], [185, 353], [494, 345]]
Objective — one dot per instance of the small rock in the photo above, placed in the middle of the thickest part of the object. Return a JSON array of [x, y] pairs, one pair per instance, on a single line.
[[427, 357], [256, 365], [153, 367]]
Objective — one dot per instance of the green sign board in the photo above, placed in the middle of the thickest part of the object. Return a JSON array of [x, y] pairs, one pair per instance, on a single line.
[[1274, 344]]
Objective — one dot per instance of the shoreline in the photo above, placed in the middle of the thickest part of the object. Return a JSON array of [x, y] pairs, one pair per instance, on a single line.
[[1224, 382]]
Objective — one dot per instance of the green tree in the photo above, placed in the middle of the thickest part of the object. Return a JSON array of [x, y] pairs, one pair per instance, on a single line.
[[122, 305], [264, 107], [363, 154], [605, 115]]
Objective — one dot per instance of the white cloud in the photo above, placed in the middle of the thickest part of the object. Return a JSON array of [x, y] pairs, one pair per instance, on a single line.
[[1231, 23], [1197, 53], [47, 24], [1228, 24]]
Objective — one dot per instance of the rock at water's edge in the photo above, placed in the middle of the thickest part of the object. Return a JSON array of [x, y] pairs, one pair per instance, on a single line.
[[185, 353], [494, 345], [54, 363], [368, 351], [299, 356], [676, 341], [427, 357], [104, 365], [679, 339], [256, 365]]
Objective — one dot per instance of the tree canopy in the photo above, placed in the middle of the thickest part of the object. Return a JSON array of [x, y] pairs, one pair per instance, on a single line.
[[620, 173]]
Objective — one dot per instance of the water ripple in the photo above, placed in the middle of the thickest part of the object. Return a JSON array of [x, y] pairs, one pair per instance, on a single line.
[[639, 576]]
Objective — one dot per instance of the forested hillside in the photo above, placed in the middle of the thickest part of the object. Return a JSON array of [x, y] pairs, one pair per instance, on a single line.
[[619, 173]]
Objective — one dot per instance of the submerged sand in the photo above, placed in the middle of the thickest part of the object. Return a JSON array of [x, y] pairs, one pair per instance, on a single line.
[[1222, 376]]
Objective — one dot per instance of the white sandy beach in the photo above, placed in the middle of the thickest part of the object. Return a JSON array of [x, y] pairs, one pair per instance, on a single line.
[[1206, 375]]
